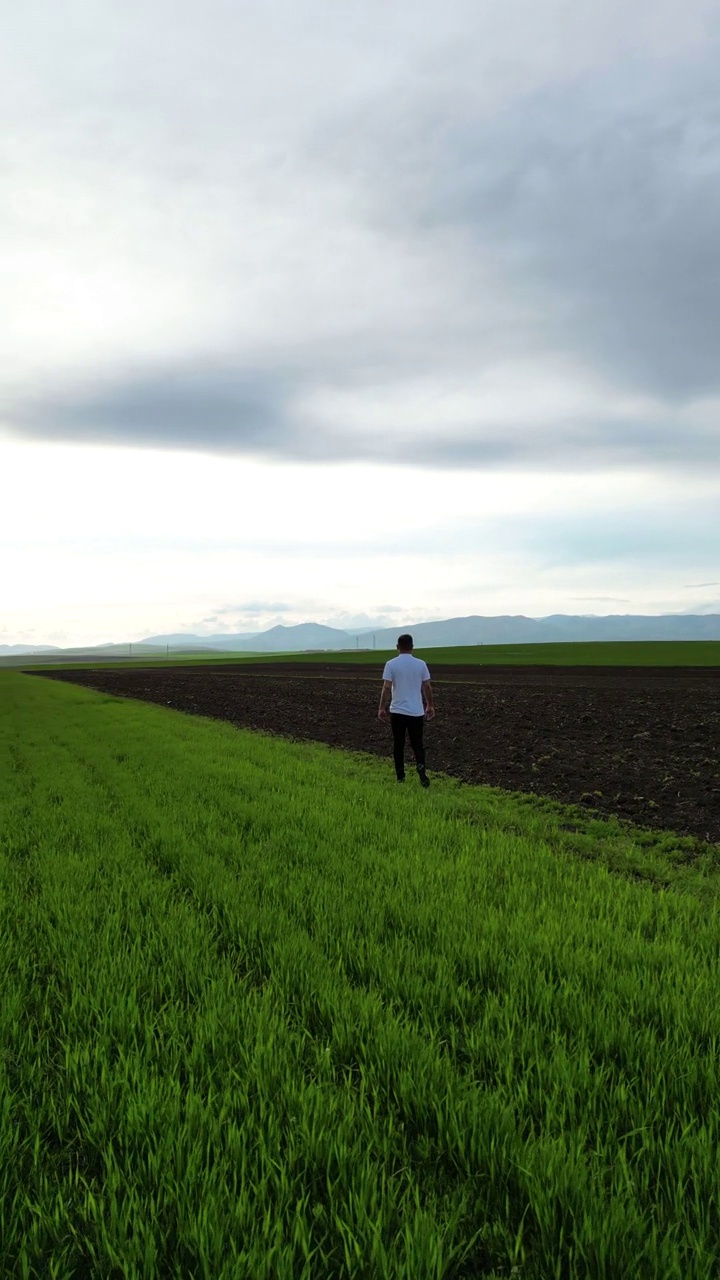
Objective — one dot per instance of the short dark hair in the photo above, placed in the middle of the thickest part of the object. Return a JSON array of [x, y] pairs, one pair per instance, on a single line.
[[405, 642]]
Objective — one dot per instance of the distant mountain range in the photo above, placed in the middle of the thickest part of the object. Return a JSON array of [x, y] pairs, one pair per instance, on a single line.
[[9, 650], [510, 629], [515, 629]]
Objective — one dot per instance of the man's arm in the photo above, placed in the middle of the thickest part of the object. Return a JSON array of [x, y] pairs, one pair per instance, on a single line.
[[385, 696], [427, 694]]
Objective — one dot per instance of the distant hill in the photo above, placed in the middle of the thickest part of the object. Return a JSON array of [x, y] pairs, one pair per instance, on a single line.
[[509, 629], [313, 635], [8, 650], [280, 639], [669, 626], [190, 641], [476, 629]]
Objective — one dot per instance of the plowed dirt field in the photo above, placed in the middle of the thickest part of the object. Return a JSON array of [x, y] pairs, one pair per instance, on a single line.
[[639, 742]]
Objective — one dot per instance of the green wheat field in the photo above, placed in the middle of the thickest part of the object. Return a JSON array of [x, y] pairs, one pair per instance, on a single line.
[[267, 1016], [632, 653]]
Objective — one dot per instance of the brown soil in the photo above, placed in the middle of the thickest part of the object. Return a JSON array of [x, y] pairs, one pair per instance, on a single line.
[[638, 742]]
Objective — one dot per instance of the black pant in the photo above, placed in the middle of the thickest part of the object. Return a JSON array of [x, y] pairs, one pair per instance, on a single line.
[[414, 727]]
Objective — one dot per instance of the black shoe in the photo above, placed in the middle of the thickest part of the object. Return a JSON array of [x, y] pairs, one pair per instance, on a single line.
[[424, 780], [401, 777]]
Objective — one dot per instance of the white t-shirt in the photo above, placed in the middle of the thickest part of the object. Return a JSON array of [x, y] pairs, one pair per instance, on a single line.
[[407, 674]]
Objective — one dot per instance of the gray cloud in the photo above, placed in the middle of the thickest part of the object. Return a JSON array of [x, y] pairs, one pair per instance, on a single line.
[[427, 203], [227, 412], [598, 200], [225, 409]]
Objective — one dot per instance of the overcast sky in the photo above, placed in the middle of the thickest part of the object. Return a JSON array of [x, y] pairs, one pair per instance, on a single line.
[[357, 312]]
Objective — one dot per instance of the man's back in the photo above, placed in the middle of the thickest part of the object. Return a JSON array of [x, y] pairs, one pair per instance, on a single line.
[[407, 674]]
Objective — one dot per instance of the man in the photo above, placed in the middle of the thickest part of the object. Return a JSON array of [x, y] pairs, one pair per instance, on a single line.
[[407, 680]]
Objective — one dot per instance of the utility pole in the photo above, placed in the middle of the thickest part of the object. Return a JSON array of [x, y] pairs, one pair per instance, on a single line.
[[373, 639], [131, 651]]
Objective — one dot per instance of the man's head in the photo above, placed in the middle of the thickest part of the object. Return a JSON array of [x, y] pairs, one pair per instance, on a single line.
[[405, 644]]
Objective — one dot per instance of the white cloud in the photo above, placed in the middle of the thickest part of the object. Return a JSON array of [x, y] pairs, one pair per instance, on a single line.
[[114, 544]]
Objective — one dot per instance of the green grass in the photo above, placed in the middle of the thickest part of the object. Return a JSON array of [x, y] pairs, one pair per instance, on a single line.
[[653, 653], [267, 1015], [648, 653]]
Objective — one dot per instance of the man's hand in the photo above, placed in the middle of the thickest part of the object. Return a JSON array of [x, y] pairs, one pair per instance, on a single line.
[[430, 713], [385, 696]]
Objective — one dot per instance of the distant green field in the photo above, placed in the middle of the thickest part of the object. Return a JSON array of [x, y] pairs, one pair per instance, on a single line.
[[267, 1016], [655, 653], [660, 653]]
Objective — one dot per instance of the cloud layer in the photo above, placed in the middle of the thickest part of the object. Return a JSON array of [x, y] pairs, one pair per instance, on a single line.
[[473, 239]]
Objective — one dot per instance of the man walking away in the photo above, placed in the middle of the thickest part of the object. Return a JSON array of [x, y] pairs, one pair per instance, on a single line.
[[407, 680]]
